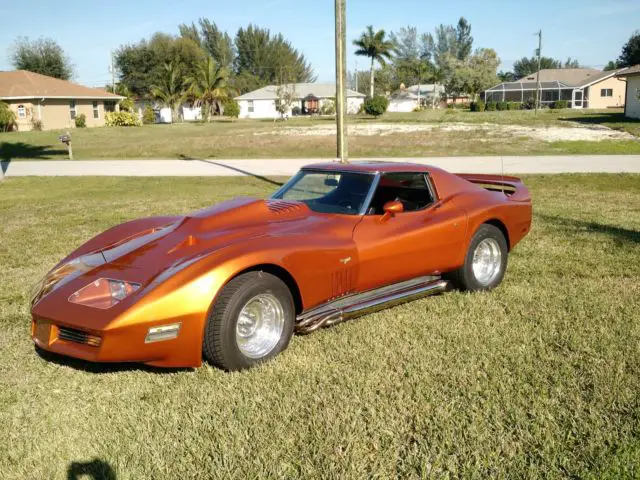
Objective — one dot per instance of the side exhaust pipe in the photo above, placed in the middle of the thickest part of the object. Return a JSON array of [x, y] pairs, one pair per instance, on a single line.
[[356, 305]]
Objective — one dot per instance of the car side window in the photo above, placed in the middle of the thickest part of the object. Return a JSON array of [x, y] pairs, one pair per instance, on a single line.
[[410, 189]]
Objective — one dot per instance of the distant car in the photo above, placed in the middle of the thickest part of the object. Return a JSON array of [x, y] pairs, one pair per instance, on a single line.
[[231, 283]]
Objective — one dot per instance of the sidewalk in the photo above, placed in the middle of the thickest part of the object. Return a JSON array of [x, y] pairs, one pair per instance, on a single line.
[[286, 167]]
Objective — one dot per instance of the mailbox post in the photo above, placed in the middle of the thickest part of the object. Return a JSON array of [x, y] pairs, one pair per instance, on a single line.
[[66, 139]]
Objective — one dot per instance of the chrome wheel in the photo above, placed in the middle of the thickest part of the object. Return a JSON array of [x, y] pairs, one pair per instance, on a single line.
[[260, 326], [487, 261]]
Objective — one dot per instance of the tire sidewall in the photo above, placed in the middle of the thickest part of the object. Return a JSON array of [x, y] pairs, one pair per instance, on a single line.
[[485, 231], [263, 283]]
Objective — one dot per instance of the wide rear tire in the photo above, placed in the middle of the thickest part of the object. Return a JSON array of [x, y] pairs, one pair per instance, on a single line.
[[485, 262], [251, 321]]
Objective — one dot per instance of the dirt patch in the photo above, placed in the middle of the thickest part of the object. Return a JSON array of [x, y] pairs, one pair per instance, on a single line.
[[546, 134]]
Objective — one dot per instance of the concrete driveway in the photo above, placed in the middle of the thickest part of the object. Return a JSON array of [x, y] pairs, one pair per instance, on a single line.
[[286, 167]]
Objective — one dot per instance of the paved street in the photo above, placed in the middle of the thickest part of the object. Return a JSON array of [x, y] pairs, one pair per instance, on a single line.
[[272, 167]]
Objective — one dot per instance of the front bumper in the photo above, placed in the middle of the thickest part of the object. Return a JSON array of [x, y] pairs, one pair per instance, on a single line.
[[122, 344]]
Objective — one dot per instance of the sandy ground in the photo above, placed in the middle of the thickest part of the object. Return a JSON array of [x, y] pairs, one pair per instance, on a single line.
[[547, 134]]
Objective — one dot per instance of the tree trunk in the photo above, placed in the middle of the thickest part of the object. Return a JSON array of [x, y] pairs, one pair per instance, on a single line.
[[371, 80]]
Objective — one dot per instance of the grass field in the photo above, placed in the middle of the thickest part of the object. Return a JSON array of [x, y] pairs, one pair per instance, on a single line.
[[537, 379], [261, 139]]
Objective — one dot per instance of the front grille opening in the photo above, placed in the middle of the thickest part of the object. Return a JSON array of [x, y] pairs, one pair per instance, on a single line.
[[78, 336]]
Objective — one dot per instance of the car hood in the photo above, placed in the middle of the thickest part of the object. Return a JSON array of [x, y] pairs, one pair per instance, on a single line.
[[213, 228]]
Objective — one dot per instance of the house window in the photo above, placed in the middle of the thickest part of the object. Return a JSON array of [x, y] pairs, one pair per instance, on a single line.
[[96, 112], [250, 104], [109, 106], [72, 109], [606, 92], [22, 112]]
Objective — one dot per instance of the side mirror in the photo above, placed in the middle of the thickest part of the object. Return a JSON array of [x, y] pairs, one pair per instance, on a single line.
[[391, 209]]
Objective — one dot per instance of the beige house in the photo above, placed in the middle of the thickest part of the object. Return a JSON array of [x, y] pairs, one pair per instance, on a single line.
[[580, 87], [55, 103], [632, 103]]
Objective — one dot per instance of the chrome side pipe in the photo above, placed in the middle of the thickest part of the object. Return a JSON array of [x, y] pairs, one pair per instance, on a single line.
[[356, 305]]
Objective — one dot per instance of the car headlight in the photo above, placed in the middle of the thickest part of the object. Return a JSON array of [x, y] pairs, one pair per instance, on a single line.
[[64, 273], [104, 293]]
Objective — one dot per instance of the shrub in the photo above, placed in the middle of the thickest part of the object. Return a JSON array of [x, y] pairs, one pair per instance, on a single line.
[[36, 125], [231, 109], [127, 105], [529, 104], [81, 121], [478, 106], [7, 118], [148, 115], [558, 104], [514, 105], [296, 110], [502, 106], [328, 108], [491, 106], [376, 106], [122, 119]]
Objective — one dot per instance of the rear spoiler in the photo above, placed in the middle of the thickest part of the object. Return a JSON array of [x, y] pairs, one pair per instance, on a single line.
[[512, 187]]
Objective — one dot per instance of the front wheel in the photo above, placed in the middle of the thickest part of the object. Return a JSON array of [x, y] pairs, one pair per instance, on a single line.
[[485, 262], [251, 321]]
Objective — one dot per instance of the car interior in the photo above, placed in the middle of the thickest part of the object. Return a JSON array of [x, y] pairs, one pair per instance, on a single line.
[[410, 189]]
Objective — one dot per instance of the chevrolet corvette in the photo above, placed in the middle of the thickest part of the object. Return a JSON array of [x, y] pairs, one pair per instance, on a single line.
[[231, 284]]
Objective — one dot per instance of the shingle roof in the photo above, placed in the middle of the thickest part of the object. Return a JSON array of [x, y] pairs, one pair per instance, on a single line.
[[628, 72], [572, 77], [23, 84], [302, 90]]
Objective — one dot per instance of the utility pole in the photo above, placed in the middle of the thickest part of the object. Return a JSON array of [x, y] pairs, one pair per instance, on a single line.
[[356, 89], [341, 68], [538, 74], [113, 74]]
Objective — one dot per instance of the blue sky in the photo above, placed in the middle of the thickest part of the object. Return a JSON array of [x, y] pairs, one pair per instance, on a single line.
[[593, 31]]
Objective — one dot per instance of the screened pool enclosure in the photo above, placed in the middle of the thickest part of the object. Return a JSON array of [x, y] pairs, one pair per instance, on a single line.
[[549, 92]]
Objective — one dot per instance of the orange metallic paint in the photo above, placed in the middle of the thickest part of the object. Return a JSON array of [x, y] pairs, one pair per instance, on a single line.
[[182, 266]]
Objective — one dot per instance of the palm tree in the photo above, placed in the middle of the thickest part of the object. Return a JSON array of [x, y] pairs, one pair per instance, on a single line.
[[375, 46], [208, 86], [170, 89]]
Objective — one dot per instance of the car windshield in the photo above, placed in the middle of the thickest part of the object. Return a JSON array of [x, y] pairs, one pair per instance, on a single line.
[[328, 192]]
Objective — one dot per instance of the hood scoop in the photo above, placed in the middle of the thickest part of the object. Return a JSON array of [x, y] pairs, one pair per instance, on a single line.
[[282, 207]]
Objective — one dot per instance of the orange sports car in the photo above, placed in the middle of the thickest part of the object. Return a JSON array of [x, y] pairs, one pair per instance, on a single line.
[[233, 282]]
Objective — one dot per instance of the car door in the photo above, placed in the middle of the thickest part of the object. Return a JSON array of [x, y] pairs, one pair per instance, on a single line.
[[427, 238]]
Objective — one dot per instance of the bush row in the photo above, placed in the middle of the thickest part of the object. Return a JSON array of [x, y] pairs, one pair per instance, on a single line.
[[528, 104], [122, 119]]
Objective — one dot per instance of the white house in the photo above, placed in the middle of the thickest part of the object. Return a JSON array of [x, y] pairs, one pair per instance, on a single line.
[[310, 98], [632, 92], [407, 99]]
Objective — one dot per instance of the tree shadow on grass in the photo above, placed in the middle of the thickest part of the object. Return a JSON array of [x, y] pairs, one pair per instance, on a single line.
[[96, 469], [570, 224], [11, 150], [599, 119], [91, 367], [235, 169]]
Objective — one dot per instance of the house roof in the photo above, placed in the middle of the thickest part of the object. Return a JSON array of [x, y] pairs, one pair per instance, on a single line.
[[557, 78], [22, 84], [629, 72], [571, 77], [302, 90]]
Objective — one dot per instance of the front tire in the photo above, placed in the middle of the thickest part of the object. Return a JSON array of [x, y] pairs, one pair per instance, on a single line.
[[485, 263], [251, 321]]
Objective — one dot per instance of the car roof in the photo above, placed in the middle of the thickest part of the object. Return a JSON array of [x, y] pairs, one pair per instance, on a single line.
[[369, 166]]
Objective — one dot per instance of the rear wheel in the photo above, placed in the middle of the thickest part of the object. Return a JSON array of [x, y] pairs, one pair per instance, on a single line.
[[251, 321], [485, 262]]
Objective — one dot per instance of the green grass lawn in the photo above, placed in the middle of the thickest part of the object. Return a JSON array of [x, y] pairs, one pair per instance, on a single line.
[[537, 379], [239, 139]]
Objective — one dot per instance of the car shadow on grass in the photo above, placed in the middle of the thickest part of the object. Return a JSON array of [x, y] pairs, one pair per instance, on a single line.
[[619, 234], [91, 367], [234, 169], [96, 469]]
